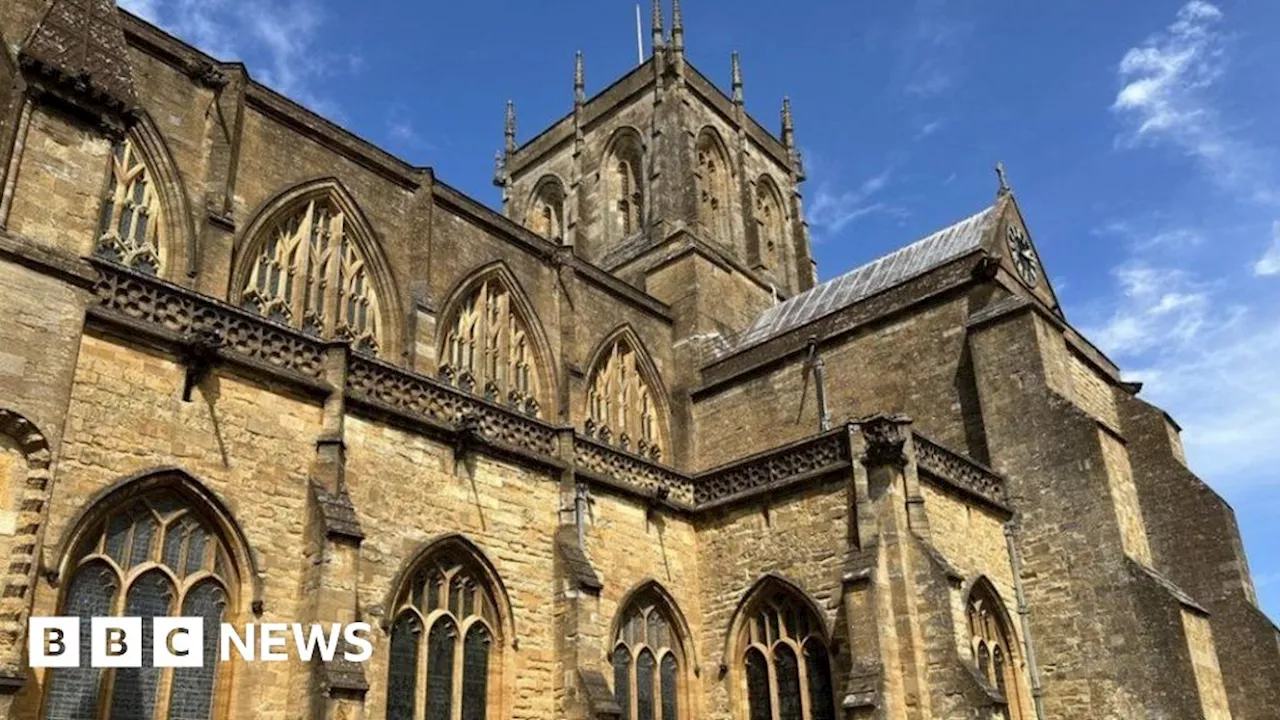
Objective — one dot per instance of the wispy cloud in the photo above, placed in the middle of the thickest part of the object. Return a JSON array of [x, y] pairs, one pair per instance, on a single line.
[[1167, 96], [834, 210], [280, 40], [1269, 263], [929, 128], [932, 48]]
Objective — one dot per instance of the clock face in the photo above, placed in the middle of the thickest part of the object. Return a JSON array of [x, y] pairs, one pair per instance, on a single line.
[[1024, 256]]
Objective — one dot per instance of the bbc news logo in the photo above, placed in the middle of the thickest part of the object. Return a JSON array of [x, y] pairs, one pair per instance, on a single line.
[[179, 642]]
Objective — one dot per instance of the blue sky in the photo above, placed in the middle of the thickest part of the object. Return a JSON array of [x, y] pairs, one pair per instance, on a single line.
[[1141, 138]]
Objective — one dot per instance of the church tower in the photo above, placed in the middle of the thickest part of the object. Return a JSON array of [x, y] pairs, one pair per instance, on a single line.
[[665, 181]]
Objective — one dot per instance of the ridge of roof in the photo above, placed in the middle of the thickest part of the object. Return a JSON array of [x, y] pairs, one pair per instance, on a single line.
[[884, 272]]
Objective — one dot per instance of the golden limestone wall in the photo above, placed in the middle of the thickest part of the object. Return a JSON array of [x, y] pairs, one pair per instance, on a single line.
[[1124, 495], [1204, 661]]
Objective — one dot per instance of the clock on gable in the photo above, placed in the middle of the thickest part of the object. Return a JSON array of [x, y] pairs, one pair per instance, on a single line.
[[1024, 257]]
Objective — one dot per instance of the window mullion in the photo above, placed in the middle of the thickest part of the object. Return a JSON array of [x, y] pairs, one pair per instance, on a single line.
[[336, 234], [774, 706]]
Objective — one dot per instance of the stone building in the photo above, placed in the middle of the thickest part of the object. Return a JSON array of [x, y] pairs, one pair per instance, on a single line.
[[611, 452]]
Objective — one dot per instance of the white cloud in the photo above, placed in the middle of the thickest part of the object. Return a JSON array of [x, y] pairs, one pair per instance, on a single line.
[[278, 39], [932, 48], [1269, 263], [929, 128], [832, 211]]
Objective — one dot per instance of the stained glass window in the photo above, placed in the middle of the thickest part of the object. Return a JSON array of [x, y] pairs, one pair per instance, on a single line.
[[310, 273], [455, 659], [646, 664], [489, 349], [125, 567], [786, 663], [130, 230]]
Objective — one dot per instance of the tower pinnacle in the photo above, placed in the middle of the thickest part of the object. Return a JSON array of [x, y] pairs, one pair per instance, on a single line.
[[737, 79], [579, 79], [656, 23], [510, 127], [677, 27]]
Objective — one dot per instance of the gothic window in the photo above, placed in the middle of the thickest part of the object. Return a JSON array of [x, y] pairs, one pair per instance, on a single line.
[[444, 647], [990, 643], [713, 186], [309, 273], [622, 407], [130, 228], [770, 223], [646, 661], [13, 476], [785, 662], [153, 558], [489, 349], [546, 210], [623, 170]]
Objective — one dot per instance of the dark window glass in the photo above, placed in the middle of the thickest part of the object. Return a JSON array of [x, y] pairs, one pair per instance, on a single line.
[[118, 537], [475, 673], [144, 529], [997, 659], [788, 670], [440, 669], [192, 693], [984, 660], [134, 693], [73, 692], [669, 676], [822, 704], [402, 675], [758, 686], [644, 686], [622, 679]]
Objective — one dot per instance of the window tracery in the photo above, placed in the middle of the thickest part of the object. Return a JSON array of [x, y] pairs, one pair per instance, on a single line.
[[546, 211], [623, 171], [622, 406], [489, 348], [786, 663], [770, 222], [647, 663], [444, 641], [990, 643], [310, 274], [130, 229], [153, 558], [713, 186]]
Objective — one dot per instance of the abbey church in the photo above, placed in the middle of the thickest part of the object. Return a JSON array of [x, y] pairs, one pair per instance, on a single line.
[[609, 452]]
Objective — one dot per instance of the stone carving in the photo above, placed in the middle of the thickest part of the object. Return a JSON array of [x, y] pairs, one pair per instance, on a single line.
[[958, 470], [147, 299], [886, 436], [419, 395], [821, 453], [631, 470]]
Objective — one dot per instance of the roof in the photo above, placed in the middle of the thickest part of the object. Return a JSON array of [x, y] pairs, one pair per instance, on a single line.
[[81, 43], [862, 282]]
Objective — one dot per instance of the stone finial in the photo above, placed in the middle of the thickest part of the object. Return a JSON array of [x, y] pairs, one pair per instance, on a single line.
[[737, 79], [788, 126], [510, 126], [655, 21], [579, 79], [677, 27], [1004, 189]]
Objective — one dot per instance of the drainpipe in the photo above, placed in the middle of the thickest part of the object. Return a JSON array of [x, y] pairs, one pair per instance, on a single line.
[[820, 383], [1033, 669]]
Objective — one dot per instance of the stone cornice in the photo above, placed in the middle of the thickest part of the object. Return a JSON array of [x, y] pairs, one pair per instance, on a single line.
[[142, 308]]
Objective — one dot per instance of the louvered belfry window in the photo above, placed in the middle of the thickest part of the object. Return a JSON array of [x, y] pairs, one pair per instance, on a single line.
[[130, 228], [646, 663], [489, 349], [786, 665], [444, 651], [311, 274], [153, 558]]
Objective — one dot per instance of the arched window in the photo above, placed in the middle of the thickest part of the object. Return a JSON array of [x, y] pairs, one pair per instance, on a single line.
[[622, 405], [489, 348], [770, 223], [648, 663], [310, 273], [131, 226], [785, 660], [445, 643], [990, 639], [155, 557], [546, 209], [713, 186], [623, 171]]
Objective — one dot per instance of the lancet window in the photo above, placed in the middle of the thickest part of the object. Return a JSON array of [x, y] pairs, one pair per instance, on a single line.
[[786, 663], [647, 662], [546, 210], [623, 172], [310, 273], [713, 187], [770, 223], [489, 349], [622, 406]]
